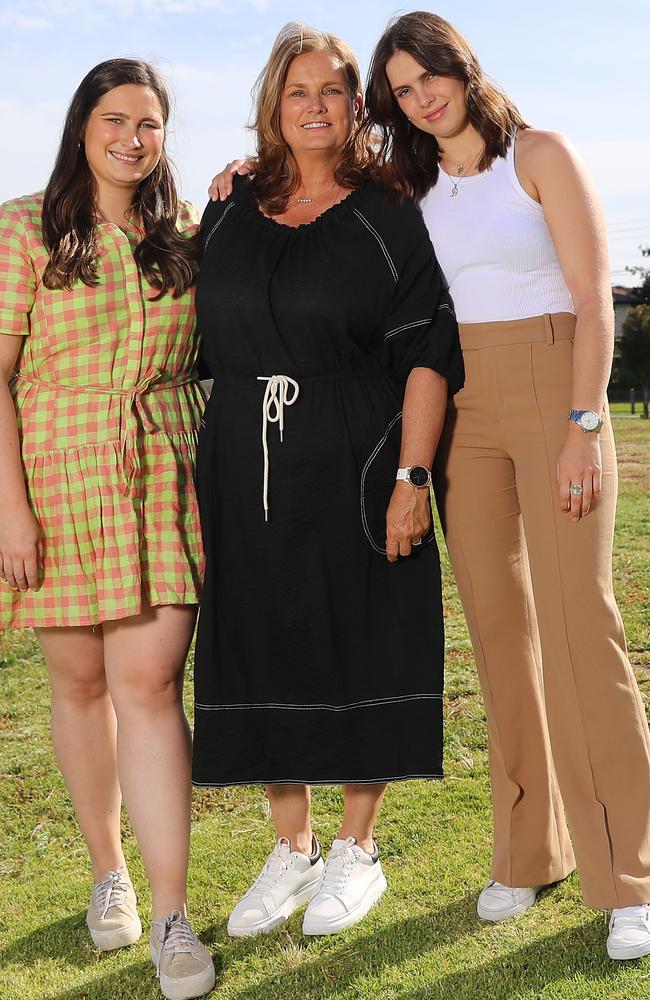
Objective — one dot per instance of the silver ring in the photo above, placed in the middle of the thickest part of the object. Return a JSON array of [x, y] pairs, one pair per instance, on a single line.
[[419, 542], [576, 489]]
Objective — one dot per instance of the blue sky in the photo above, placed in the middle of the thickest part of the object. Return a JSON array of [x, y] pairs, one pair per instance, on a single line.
[[578, 67]]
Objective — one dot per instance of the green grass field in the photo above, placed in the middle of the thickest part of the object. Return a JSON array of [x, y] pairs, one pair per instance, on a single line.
[[423, 942]]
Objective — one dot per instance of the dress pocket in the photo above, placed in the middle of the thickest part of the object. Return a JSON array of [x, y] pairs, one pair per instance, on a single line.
[[377, 485]]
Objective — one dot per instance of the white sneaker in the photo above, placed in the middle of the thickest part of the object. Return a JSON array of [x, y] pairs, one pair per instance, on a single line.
[[352, 883], [287, 880], [629, 932], [184, 965], [498, 902]]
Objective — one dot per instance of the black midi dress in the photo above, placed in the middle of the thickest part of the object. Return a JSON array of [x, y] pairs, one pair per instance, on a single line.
[[317, 661]]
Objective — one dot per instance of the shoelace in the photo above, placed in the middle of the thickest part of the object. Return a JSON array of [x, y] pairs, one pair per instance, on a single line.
[[178, 936], [338, 868], [273, 404], [268, 877], [111, 891]]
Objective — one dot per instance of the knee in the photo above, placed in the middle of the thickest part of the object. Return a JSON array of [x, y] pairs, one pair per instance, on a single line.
[[79, 688], [148, 690]]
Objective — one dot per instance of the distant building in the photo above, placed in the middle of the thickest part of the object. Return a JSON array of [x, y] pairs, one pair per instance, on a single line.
[[624, 300]]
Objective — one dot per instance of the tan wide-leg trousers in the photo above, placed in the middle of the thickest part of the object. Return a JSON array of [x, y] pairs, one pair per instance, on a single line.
[[566, 723]]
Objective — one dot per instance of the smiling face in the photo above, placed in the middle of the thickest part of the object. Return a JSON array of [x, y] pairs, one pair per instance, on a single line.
[[123, 137], [317, 111], [434, 104]]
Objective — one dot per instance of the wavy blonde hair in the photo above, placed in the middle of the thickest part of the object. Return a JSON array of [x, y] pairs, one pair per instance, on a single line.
[[277, 174]]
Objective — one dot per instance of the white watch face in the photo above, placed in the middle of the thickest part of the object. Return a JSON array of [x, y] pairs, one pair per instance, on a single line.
[[589, 420]]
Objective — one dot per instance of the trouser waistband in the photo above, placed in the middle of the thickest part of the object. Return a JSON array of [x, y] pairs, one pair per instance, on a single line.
[[534, 329]]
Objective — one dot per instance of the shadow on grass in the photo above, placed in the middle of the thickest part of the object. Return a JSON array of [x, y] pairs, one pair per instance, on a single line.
[[67, 939], [329, 966]]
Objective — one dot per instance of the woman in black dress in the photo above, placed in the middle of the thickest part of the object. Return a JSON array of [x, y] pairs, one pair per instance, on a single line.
[[333, 347]]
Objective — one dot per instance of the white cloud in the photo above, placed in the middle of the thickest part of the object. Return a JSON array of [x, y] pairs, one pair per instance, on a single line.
[[83, 12], [22, 22]]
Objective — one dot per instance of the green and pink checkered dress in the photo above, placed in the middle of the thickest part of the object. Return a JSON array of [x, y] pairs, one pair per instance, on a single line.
[[108, 413]]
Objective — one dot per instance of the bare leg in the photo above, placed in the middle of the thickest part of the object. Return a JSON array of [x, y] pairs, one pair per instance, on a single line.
[[145, 659], [290, 808], [84, 737], [362, 804]]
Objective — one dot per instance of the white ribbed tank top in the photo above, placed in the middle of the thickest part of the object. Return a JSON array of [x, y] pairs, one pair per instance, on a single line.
[[494, 247]]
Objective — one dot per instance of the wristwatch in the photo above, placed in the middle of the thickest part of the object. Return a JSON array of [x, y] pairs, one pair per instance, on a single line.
[[587, 420], [416, 475]]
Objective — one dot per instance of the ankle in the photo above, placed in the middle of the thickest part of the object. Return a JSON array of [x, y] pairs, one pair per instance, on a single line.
[[101, 867], [161, 909], [303, 842], [366, 843]]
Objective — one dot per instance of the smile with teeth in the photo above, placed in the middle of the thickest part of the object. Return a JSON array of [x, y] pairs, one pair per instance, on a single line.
[[317, 125], [125, 157]]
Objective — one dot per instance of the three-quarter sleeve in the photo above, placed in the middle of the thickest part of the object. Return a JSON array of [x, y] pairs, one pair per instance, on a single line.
[[17, 274], [420, 328]]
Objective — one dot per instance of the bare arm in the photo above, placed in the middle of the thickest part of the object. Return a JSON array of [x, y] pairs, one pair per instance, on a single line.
[[20, 541], [408, 517], [575, 218]]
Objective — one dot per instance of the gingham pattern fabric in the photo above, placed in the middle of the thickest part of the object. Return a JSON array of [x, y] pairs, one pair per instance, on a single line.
[[108, 413]]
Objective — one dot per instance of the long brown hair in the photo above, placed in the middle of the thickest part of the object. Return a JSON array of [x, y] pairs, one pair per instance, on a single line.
[[166, 258], [407, 156], [276, 172]]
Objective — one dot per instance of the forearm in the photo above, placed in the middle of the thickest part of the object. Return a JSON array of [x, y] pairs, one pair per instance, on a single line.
[[13, 495], [592, 352], [423, 414]]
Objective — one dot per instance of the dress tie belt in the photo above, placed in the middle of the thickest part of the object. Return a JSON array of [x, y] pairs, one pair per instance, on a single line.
[[273, 404], [133, 412]]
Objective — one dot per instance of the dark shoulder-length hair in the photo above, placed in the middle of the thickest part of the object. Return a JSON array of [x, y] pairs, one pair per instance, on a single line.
[[276, 172], [166, 258], [408, 157]]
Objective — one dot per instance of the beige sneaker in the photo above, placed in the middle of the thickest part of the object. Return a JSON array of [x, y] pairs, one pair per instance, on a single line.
[[183, 965], [112, 916]]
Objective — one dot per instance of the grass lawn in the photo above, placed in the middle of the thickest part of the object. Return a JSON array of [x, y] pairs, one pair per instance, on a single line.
[[423, 942]]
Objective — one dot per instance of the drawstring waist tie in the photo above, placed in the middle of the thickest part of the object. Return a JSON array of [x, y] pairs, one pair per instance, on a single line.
[[275, 399], [133, 413]]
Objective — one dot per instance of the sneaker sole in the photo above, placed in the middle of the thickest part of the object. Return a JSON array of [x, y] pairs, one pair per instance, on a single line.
[[514, 911], [279, 917], [187, 988], [374, 894], [623, 953], [113, 939]]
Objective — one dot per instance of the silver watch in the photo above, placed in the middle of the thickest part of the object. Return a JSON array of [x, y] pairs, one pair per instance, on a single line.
[[416, 475], [587, 420]]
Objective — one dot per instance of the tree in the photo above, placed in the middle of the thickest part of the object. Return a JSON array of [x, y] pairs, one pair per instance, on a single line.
[[643, 290], [634, 350]]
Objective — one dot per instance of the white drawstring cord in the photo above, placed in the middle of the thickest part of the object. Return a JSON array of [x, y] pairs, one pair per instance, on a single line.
[[273, 404]]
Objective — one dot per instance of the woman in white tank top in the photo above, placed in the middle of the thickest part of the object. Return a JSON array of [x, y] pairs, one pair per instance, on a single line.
[[527, 487]]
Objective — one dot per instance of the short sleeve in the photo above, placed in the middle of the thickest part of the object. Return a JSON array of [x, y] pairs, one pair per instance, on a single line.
[[17, 274], [187, 219], [421, 329]]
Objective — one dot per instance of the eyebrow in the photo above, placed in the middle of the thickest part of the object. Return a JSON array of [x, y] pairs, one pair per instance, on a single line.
[[425, 72], [125, 114], [328, 83]]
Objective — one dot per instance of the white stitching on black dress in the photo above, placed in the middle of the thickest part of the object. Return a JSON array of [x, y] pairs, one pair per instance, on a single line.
[[218, 223], [407, 326], [373, 455], [384, 248], [371, 703]]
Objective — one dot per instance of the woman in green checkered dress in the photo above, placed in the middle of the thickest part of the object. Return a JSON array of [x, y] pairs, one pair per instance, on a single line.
[[100, 547]]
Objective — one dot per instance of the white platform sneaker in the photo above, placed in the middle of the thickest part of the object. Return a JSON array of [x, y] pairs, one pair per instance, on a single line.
[[629, 932], [353, 882], [499, 902], [287, 880]]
